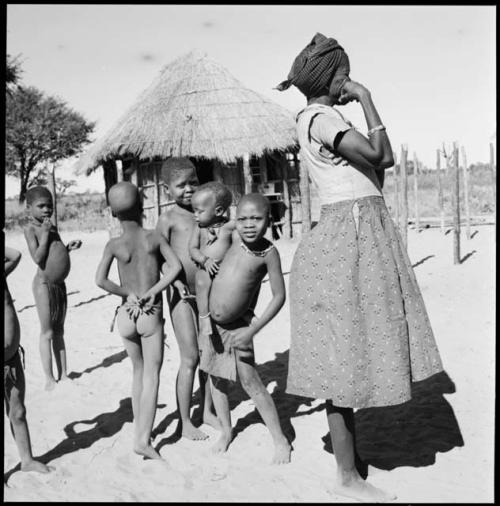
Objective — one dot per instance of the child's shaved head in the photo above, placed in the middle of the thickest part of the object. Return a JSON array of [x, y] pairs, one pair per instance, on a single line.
[[123, 198], [37, 192], [257, 199], [173, 167], [222, 194]]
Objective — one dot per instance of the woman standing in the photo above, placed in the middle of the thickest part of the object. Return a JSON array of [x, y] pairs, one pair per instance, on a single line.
[[360, 331]]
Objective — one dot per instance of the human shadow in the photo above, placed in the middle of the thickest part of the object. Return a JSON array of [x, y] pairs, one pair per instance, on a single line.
[[104, 425], [474, 234], [106, 362], [466, 257], [34, 305], [420, 262]]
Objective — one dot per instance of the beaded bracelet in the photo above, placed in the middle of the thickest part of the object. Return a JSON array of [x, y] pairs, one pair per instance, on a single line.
[[375, 129]]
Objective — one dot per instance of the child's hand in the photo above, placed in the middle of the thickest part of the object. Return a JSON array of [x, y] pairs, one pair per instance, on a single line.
[[242, 338], [338, 160], [211, 266], [46, 225], [147, 300], [133, 305], [75, 244], [182, 289]]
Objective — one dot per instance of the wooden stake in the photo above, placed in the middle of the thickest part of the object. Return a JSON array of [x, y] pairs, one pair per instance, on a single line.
[[54, 193], [247, 175], [455, 204], [396, 173], [466, 193], [415, 191], [493, 180], [305, 198], [404, 195], [287, 221], [440, 189]]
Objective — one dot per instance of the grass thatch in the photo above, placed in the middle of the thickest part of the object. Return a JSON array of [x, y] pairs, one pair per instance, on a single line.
[[195, 107]]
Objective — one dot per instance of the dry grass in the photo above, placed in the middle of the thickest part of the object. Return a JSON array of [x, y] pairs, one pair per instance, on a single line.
[[196, 108]]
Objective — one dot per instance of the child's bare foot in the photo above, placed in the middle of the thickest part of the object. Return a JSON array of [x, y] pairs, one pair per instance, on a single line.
[[357, 488], [147, 451], [50, 384], [37, 467], [210, 419], [282, 451], [189, 431], [223, 442]]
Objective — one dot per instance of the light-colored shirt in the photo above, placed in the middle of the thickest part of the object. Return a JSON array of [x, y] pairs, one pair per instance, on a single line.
[[333, 182]]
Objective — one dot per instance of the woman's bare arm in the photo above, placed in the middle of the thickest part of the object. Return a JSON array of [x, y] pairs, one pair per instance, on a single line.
[[12, 258], [38, 250], [101, 276]]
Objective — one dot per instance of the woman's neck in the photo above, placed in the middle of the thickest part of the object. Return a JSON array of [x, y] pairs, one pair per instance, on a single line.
[[323, 100]]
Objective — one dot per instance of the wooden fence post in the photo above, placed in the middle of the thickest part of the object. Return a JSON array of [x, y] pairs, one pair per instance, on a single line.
[[287, 222], [305, 198], [404, 195], [396, 172], [440, 188], [456, 204], [493, 181], [247, 175], [415, 190], [466, 193]]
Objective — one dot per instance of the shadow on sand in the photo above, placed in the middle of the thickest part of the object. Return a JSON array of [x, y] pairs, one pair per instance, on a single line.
[[103, 426], [34, 305], [108, 361]]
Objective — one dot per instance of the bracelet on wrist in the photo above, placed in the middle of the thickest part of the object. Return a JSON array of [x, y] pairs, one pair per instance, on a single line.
[[375, 129]]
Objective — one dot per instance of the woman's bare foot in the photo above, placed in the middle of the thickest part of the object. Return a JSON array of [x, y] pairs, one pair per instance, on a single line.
[[357, 488], [223, 442], [189, 431], [282, 451], [210, 419], [37, 467], [147, 451], [50, 384]]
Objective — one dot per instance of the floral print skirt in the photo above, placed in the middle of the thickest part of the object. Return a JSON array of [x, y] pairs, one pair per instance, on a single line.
[[360, 333]]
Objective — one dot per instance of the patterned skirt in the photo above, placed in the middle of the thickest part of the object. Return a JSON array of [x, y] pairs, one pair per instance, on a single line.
[[360, 331]]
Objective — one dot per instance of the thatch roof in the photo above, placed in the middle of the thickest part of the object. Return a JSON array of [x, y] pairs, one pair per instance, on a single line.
[[195, 107]]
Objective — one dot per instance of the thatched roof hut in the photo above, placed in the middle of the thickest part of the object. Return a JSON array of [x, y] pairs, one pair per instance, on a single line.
[[195, 108]]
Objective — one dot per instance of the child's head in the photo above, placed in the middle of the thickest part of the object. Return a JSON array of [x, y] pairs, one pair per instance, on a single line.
[[210, 201], [179, 174], [39, 202], [125, 201], [252, 217]]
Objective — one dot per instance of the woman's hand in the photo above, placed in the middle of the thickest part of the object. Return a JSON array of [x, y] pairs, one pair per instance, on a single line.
[[352, 91]]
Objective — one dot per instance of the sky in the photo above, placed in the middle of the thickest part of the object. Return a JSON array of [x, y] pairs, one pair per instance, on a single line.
[[431, 70]]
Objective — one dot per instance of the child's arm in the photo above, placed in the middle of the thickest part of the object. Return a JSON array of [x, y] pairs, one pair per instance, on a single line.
[[163, 226], [273, 262], [39, 250], [101, 275], [12, 258], [194, 247], [174, 267]]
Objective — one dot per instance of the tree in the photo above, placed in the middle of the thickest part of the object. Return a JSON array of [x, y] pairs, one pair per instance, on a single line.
[[40, 129], [12, 73]]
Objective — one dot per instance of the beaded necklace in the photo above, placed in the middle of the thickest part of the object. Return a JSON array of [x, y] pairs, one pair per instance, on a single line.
[[261, 253]]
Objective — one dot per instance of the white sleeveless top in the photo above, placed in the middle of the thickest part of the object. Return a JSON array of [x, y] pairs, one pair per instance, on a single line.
[[333, 182]]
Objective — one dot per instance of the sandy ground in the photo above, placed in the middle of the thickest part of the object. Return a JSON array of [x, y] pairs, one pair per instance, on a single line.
[[436, 448]]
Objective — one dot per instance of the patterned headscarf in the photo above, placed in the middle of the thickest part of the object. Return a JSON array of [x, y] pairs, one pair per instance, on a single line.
[[316, 65]]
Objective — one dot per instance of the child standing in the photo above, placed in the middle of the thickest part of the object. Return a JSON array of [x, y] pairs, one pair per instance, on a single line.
[[13, 374], [52, 257], [176, 226], [228, 352], [140, 255], [209, 241]]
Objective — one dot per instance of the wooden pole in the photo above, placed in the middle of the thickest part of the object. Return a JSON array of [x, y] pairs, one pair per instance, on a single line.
[[305, 198], [493, 180], [54, 193], [396, 173], [466, 193], [415, 191], [440, 188], [287, 222], [247, 175], [456, 204], [404, 195]]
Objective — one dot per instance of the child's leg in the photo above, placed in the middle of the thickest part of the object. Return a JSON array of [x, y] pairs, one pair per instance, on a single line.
[[203, 285], [264, 403], [152, 353], [219, 394], [42, 301], [184, 324], [206, 395], [349, 482], [14, 390]]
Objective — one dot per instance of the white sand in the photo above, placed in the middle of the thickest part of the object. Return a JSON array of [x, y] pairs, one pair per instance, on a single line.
[[84, 429]]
